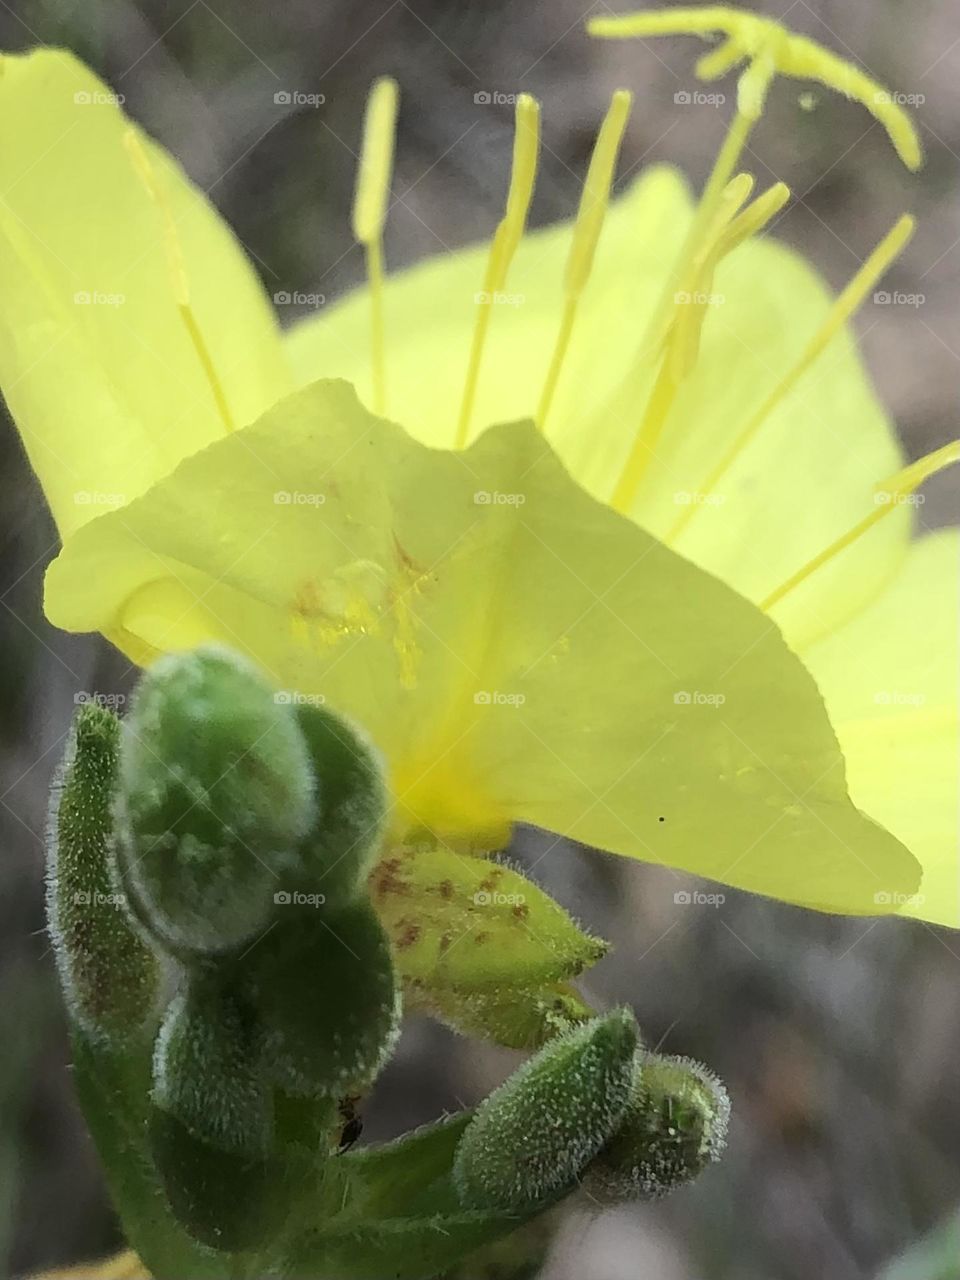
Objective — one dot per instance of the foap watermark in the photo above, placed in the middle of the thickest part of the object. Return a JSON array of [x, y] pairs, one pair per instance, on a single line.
[[86, 898], [685, 498], [886, 298], [697, 698], [494, 98], [886, 97], [486, 498], [297, 98], [98, 98], [98, 298], [297, 498], [887, 898], [494, 698], [491, 898], [294, 898], [112, 701], [898, 698], [684, 298], [698, 98], [97, 498], [499, 299], [697, 898], [297, 298], [296, 698], [885, 498]]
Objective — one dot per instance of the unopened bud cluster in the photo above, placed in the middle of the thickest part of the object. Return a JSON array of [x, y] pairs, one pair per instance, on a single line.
[[211, 813]]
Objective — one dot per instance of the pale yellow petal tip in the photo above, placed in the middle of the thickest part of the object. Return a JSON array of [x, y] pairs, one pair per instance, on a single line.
[[124, 1266], [767, 44]]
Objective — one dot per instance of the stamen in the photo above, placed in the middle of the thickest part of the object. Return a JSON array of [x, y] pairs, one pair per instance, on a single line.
[[691, 301], [888, 496], [370, 212], [685, 347], [594, 201], [839, 314], [682, 336], [177, 269], [507, 237]]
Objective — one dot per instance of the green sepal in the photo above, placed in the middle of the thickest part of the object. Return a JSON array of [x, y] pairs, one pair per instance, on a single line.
[[343, 842], [399, 1248], [110, 978], [513, 1017], [211, 1122], [674, 1126], [217, 790], [468, 933], [531, 1139], [323, 987], [395, 1212]]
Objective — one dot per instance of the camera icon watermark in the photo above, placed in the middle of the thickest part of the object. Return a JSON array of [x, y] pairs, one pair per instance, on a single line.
[[697, 898]]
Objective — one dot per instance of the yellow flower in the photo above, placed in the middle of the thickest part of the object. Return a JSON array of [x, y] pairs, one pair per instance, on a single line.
[[519, 651], [756, 453]]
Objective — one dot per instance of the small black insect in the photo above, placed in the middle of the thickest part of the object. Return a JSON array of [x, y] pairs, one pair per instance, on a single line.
[[352, 1123]]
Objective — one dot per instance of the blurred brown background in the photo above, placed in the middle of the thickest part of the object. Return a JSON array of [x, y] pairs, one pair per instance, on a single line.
[[840, 1040]]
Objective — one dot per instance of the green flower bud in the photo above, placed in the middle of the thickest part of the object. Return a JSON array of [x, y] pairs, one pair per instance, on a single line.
[[323, 986], [530, 1140], [217, 792], [211, 1121], [109, 977], [674, 1126], [342, 845]]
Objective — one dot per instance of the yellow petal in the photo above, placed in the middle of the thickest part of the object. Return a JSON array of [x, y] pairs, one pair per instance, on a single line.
[[96, 361], [518, 651], [890, 680]]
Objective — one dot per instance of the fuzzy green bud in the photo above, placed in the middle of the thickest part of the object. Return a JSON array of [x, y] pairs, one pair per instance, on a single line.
[[217, 791], [532, 1137], [110, 977], [674, 1126], [342, 845], [211, 1122], [323, 987]]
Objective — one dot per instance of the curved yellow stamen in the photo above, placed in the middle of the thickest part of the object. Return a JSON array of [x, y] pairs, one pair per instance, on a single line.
[[888, 496], [177, 269], [370, 212], [756, 38], [594, 201], [682, 336], [509, 233], [845, 305], [686, 345]]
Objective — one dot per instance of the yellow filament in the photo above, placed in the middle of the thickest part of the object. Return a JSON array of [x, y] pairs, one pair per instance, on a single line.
[[691, 302], [888, 496], [177, 270], [840, 313], [509, 233], [370, 212], [594, 202], [682, 334]]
